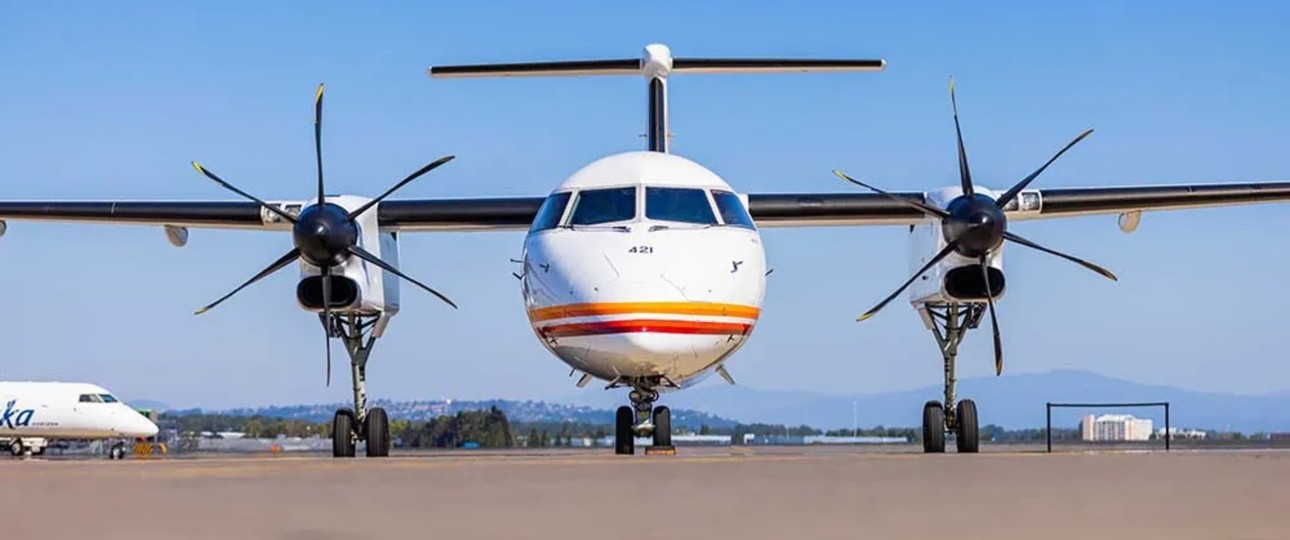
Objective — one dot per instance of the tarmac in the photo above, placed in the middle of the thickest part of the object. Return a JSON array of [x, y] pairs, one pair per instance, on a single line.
[[797, 492]]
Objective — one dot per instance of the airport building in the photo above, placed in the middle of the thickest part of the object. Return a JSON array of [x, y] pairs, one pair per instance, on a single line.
[[1182, 433], [1115, 427]]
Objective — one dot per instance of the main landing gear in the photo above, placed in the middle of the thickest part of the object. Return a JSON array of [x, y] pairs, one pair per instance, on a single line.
[[349, 426], [950, 323], [643, 419]]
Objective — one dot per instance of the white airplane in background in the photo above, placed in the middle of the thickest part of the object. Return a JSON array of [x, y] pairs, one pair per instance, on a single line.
[[645, 269], [36, 411]]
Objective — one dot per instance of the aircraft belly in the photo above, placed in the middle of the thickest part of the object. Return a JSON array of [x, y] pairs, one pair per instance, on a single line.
[[644, 354]]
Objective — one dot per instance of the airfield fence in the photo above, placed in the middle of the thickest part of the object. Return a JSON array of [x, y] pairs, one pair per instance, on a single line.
[[1049, 410]]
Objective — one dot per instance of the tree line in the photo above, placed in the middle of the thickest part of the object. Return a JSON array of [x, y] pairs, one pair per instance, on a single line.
[[490, 428]]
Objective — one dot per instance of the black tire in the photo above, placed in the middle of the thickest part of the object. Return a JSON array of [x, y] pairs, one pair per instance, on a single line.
[[342, 434], [378, 433], [624, 438], [117, 451], [968, 438], [933, 427], [15, 447], [662, 426]]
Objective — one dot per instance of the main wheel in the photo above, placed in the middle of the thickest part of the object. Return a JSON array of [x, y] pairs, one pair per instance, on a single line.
[[342, 434], [15, 447], [624, 438], [933, 427], [662, 426], [378, 433], [968, 439]]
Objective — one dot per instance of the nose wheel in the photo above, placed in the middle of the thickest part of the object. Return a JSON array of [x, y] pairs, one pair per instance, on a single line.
[[643, 419]]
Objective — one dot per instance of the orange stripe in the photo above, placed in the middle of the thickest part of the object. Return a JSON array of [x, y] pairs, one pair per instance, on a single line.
[[710, 309], [643, 326]]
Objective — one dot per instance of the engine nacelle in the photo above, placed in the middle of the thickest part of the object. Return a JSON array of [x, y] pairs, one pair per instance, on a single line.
[[345, 294], [955, 278], [356, 286]]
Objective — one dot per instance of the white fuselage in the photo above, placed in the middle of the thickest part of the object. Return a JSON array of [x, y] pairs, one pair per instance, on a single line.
[[651, 289], [58, 410]]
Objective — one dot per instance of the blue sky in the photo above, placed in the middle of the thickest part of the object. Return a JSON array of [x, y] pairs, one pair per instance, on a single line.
[[113, 101]]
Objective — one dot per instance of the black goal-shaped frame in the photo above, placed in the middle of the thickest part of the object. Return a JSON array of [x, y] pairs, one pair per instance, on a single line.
[[1050, 405]]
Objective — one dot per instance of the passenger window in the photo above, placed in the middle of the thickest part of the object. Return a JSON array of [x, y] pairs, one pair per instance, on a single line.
[[595, 206], [679, 204], [548, 216], [732, 209]]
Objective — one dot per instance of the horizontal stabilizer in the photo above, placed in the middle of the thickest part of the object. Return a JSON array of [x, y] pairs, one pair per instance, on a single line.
[[773, 65], [657, 61], [629, 66]]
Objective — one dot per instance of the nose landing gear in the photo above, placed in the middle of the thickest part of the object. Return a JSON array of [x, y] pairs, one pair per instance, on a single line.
[[644, 420]]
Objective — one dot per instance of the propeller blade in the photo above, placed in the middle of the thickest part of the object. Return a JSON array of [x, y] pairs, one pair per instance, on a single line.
[[277, 265], [318, 102], [965, 176], [998, 342], [367, 256], [921, 207], [1076, 260], [1012, 193], [230, 187], [432, 166], [326, 290], [944, 252]]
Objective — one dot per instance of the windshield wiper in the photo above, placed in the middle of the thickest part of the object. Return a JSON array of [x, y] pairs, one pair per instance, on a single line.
[[619, 228]]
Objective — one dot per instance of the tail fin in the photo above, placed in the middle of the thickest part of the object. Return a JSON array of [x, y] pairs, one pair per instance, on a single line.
[[656, 65]]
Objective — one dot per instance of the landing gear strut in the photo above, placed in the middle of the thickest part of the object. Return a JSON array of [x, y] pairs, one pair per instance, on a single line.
[[950, 323], [643, 419], [349, 426]]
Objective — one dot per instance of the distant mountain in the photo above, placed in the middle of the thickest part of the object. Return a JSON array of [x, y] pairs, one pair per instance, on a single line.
[[148, 404], [521, 411], [1011, 401]]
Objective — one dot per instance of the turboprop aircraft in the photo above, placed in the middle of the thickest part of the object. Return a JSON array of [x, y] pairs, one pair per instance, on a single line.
[[644, 269], [36, 411]]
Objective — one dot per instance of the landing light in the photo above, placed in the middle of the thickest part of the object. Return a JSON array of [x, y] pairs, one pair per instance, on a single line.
[[1129, 221]]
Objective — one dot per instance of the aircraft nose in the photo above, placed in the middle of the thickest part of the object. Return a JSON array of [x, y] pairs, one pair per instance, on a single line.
[[146, 428], [136, 425]]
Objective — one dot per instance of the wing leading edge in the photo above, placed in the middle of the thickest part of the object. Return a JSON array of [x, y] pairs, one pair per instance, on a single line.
[[768, 210], [847, 209]]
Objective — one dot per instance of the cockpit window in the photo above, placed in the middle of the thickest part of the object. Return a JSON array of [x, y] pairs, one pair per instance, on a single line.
[[732, 209], [685, 205], [108, 398], [595, 206], [549, 214], [91, 398]]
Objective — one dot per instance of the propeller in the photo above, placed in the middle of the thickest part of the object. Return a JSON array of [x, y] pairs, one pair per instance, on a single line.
[[324, 234], [974, 226]]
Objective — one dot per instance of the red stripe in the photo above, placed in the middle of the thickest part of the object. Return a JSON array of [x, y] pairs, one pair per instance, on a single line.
[[656, 326]]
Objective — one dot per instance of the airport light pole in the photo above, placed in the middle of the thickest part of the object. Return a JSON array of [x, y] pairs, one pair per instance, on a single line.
[[854, 431]]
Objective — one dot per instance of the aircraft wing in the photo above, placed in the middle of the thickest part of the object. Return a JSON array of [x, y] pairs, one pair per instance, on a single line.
[[768, 210], [419, 215], [852, 209]]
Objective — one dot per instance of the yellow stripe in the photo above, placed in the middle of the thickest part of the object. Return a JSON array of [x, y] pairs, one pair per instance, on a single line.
[[712, 309]]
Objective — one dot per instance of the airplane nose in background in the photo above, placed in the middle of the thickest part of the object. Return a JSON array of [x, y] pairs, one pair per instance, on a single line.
[[147, 429], [138, 426]]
